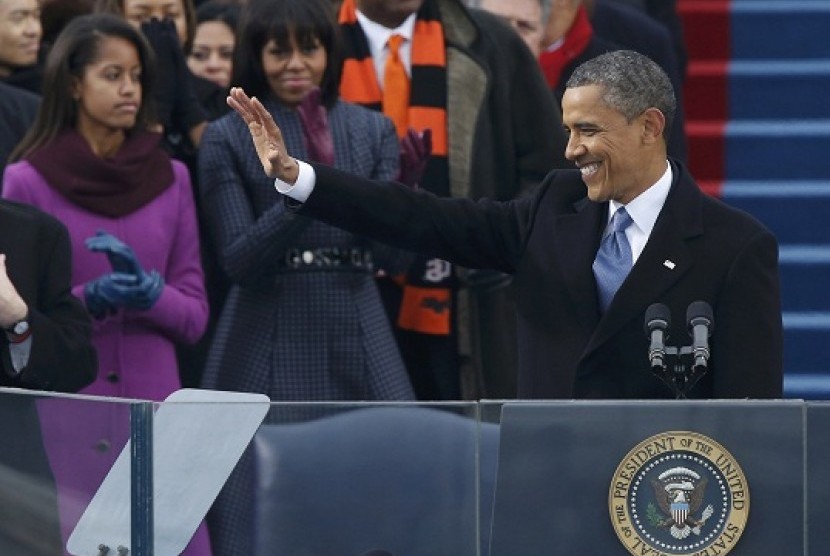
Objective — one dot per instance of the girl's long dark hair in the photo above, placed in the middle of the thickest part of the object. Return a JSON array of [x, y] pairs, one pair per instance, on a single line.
[[78, 46], [263, 20]]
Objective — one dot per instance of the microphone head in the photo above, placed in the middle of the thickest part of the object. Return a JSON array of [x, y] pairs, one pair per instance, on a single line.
[[658, 317], [700, 312]]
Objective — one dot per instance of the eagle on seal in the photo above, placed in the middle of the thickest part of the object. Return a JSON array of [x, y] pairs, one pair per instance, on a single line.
[[679, 493]]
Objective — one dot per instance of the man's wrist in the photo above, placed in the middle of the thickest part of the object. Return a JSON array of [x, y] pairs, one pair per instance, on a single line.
[[303, 184], [16, 314], [18, 331], [292, 171]]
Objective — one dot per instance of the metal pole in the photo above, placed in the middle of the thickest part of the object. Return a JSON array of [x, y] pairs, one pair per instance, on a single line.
[[141, 471]]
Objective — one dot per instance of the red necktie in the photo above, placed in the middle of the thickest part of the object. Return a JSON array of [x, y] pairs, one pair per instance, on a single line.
[[396, 87]]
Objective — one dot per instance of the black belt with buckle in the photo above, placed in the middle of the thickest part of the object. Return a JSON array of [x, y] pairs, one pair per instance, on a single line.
[[332, 258]]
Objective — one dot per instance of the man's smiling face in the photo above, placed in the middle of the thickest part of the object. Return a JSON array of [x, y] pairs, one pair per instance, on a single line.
[[606, 148]]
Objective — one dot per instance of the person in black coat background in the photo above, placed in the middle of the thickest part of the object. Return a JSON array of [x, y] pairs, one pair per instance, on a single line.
[[18, 109], [684, 245], [496, 132], [36, 263], [20, 35], [45, 346]]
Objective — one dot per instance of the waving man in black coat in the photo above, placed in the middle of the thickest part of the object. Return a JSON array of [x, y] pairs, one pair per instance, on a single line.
[[683, 246]]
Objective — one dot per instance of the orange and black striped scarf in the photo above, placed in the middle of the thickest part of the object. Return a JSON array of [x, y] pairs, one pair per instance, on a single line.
[[426, 302]]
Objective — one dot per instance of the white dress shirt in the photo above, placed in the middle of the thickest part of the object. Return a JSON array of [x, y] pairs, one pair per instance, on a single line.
[[377, 36], [644, 210], [19, 354]]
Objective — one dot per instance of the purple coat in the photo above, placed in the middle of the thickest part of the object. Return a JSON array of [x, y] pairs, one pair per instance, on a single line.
[[136, 349]]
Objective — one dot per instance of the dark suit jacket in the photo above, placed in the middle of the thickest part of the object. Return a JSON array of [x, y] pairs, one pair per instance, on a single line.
[[38, 262], [699, 249], [62, 359], [18, 109]]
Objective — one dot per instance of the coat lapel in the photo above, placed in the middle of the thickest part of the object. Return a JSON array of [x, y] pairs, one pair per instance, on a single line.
[[467, 89], [665, 259], [576, 239]]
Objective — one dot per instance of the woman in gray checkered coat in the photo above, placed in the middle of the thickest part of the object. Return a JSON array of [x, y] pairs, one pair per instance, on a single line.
[[304, 320]]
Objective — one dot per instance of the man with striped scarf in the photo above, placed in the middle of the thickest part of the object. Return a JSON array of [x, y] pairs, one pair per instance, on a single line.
[[495, 131]]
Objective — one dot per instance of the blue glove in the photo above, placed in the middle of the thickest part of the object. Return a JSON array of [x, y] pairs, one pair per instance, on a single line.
[[121, 256], [98, 304], [107, 293], [141, 293]]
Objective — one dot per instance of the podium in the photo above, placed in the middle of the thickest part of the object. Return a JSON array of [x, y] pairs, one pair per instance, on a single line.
[[599, 477], [489, 478]]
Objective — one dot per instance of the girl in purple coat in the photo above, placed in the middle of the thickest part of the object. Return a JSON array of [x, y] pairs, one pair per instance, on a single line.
[[90, 161]]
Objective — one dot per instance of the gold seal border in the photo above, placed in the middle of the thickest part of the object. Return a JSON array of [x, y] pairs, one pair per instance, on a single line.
[[666, 443]]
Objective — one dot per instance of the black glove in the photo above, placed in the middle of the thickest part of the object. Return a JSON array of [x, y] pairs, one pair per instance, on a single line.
[[178, 108], [315, 121], [163, 38], [415, 152]]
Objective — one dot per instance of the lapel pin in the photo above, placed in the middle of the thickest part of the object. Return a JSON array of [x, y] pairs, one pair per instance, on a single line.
[[668, 264]]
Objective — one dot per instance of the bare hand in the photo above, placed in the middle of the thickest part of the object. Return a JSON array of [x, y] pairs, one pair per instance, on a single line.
[[12, 306], [266, 136]]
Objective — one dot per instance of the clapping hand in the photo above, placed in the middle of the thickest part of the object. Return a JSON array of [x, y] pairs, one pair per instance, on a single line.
[[416, 149], [129, 285], [121, 256], [107, 293], [266, 135], [12, 306]]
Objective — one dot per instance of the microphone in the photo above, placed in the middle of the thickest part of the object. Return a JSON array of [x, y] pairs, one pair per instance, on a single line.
[[658, 320], [699, 317]]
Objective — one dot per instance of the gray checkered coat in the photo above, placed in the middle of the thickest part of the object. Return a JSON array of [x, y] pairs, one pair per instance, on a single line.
[[310, 334]]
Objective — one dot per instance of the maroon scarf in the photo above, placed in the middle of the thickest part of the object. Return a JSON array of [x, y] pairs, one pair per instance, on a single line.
[[111, 187]]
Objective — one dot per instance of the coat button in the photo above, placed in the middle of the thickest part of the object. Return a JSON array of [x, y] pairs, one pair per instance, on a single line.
[[102, 445], [113, 377]]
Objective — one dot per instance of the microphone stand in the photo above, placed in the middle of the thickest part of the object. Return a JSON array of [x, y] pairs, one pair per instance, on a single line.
[[679, 367], [678, 370]]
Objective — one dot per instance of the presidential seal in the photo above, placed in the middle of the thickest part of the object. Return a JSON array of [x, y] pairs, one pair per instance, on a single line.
[[679, 493]]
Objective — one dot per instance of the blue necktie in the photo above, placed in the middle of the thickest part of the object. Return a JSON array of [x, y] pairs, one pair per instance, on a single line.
[[613, 260]]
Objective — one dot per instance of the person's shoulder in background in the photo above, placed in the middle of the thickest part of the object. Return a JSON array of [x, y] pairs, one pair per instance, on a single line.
[[18, 109], [29, 219]]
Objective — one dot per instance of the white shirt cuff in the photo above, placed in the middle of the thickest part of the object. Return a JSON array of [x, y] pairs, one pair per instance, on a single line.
[[302, 188], [20, 354]]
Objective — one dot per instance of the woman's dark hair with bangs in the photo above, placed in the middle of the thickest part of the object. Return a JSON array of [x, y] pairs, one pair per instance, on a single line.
[[263, 20], [77, 47]]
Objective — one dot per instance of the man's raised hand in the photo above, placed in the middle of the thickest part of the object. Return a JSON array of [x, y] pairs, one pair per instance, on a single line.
[[266, 135]]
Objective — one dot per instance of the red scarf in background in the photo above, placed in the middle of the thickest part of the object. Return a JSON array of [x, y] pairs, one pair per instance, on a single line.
[[574, 43]]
